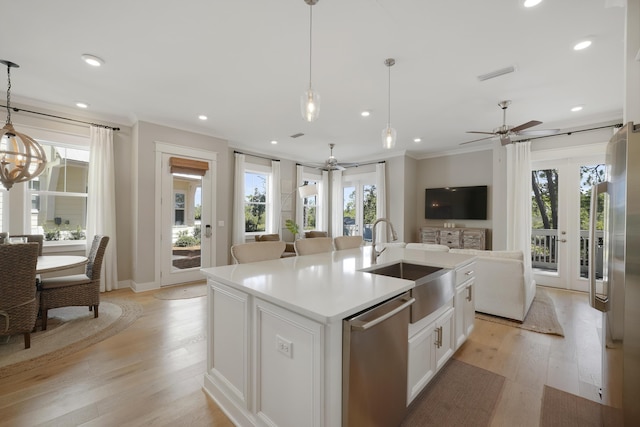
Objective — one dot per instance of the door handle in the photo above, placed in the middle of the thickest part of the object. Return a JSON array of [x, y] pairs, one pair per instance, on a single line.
[[597, 302], [563, 240], [207, 230]]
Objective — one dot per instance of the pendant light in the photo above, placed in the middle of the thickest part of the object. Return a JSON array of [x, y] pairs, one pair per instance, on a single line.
[[310, 99], [389, 133], [21, 157]]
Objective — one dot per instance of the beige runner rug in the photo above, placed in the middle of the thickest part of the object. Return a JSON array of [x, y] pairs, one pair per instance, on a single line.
[[562, 409], [541, 318], [69, 330], [460, 395]]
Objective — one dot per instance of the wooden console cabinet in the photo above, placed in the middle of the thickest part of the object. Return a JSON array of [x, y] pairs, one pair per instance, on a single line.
[[459, 238]]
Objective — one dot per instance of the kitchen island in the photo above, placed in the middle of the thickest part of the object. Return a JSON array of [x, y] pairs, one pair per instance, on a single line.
[[274, 349]]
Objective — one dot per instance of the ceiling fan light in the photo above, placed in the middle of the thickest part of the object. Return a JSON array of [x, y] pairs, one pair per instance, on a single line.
[[310, 105], [389, 137]]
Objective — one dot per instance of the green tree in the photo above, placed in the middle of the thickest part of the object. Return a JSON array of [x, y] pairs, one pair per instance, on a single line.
[[370, 203], [255, 211]]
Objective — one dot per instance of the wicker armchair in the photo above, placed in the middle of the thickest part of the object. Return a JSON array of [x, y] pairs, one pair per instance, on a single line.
[[35, 238], [19, 296], [78, 289]]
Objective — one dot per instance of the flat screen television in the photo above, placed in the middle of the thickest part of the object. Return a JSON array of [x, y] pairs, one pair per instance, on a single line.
[[456, 203]]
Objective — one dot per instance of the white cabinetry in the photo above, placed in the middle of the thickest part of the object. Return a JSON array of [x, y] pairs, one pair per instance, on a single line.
[[264, 360], [431, 344], [464, 303]]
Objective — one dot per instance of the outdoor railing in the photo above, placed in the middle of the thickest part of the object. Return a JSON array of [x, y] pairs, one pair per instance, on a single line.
[[544, 250]]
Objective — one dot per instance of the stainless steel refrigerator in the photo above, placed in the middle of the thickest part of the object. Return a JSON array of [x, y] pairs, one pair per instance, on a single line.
[[618, 297]]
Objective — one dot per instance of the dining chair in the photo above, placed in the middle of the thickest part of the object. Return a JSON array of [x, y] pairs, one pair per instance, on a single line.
[[77, 289], [35, 238], [312, 246], [19, 295], [347, 242], [257, 251]]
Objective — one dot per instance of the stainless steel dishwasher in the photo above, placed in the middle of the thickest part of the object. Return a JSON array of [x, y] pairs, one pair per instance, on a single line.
[[374, 364]]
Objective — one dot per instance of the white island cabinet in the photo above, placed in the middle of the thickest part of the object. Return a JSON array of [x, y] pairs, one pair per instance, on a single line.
[[274, 344]]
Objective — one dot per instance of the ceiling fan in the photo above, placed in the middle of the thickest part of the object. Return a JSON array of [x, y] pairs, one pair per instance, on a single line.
[[332, 163], [506, 132]]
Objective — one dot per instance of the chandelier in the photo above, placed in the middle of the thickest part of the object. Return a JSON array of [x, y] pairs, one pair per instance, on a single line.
[[21, 157], [389, 133]]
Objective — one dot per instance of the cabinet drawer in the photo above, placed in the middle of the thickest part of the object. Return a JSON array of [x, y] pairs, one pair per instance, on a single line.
[[429, 236], [465, 273]]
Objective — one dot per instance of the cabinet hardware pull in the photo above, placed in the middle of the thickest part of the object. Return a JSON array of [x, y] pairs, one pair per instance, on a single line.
[[469, 293], [469, 273]]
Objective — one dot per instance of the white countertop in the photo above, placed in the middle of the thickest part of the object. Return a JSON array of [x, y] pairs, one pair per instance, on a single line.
[[328, 287]]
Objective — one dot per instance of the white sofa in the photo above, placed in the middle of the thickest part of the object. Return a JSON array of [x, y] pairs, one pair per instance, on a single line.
[[503, 287]]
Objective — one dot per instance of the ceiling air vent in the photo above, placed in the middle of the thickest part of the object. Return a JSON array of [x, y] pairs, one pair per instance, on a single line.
[[297, 135], [496, 73]]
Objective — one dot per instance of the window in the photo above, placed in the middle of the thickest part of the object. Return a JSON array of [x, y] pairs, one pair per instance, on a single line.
[[256, 185], [58, 196], [310, 209], [359, 205], [179, 204]]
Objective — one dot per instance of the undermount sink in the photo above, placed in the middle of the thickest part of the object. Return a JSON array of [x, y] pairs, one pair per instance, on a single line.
[[434, 286]]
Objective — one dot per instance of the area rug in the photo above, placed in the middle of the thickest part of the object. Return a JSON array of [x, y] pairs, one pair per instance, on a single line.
[[193, 290], [541, 318], [562, 409], [69, 330], [460, 395]]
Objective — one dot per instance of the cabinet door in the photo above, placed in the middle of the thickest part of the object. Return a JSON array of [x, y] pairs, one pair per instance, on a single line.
[[421, 363], [459, 303], [445, 338], [469, 308], [288, 362], [228, 343]]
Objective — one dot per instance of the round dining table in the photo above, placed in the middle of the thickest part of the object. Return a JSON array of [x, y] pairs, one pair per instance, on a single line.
[[49, 263]]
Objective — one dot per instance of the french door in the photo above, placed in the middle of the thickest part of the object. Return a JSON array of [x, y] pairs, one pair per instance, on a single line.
[[359, 197], [186, 219], [560, 197]]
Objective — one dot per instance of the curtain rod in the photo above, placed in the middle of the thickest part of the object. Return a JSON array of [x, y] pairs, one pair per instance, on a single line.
[[255, 155], [17, 110], [616, 125]]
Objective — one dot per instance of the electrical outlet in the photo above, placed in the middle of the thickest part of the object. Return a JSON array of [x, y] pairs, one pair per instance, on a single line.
[[284, 346]]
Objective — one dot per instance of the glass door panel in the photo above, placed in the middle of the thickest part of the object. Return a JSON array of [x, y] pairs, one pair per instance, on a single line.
[[544, 220]]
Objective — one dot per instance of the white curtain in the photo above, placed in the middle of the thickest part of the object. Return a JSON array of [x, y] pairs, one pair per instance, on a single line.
[[274, 194], [322, 200], [381, 201], [299, 218], [101, 202], [519, 199], [336, 203], [238, 201]]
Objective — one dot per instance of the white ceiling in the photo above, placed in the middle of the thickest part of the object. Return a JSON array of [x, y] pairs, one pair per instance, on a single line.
[[245, 64]]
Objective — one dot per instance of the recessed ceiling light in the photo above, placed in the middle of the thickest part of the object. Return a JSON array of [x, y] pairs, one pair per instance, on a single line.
[[577, 108], [202, 117], [531, 3], [582, 45], [417, 139], [92, 60], [365, 113], [82, 105], [274, 142]]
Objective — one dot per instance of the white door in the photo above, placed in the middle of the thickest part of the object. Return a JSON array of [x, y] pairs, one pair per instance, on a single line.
[[186, 206], [560, 203], [359, 205]]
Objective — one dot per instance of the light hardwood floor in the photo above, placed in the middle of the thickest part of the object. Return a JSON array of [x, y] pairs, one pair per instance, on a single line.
[[152, 373]]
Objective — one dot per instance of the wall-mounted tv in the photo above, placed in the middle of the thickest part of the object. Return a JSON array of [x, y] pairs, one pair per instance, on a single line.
[[456, 203]]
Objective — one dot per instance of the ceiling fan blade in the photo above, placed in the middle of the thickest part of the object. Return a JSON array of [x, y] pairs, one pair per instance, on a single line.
[[477, 131], [476, 140], [505, 140], [527, 125]]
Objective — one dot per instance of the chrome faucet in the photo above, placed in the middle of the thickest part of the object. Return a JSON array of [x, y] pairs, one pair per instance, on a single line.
[[374, 253]]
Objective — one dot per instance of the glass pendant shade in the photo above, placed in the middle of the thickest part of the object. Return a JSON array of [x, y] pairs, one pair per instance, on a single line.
[[310, 104], [388, 137], [21, 157]]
